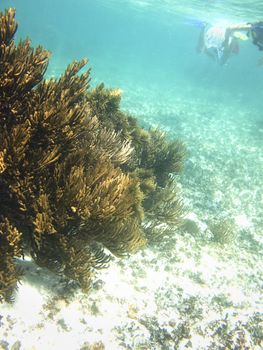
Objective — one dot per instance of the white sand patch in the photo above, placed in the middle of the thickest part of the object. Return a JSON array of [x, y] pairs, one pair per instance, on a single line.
[[189, 291]]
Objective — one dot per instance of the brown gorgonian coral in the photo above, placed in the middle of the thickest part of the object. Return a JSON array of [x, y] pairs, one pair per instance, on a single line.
[[77, 175]]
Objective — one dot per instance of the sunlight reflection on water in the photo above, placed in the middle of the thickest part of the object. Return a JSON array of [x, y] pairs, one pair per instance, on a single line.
[[207, 10]]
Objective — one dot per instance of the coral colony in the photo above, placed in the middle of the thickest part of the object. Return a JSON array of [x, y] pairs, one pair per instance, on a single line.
[[77, 175]]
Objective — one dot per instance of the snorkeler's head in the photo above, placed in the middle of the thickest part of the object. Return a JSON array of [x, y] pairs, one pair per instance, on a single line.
[[257, 34]]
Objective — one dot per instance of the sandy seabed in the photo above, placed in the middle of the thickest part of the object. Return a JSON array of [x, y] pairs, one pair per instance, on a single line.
[[201, 287]]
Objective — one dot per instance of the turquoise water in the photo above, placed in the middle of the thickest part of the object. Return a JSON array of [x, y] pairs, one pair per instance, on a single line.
[[145, 43], [147, 48]]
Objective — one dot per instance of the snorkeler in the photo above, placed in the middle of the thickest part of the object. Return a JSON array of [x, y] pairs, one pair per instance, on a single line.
[[221, 42], [218, 42]]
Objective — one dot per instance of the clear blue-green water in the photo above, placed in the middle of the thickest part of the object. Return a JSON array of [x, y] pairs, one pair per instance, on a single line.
[[147, 48], [145, 43]]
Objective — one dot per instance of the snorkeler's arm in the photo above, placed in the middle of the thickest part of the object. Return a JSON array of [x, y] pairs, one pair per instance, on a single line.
[[237, 27], [242, 26]]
